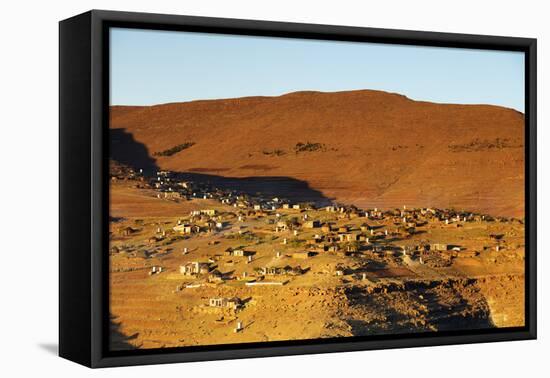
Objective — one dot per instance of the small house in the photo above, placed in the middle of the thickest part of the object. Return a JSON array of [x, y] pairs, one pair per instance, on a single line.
[[127, 231], [331, 248], [312, 224], [315, 240], [343, 229], [302, 255], [438, 247], [228, 303], [349, 237], [326, 228], [215, 276], [366, 227], [194, 268], [238, 252], [209, 212], [187, 229], [172, 195]]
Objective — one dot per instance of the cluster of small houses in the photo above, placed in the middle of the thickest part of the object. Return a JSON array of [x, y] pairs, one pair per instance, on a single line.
[[368, 236], [209, 271], [347, 240], [341, 239], [169, 187]]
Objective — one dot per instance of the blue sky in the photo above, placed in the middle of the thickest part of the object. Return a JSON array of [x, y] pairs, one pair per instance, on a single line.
[[153, 67]]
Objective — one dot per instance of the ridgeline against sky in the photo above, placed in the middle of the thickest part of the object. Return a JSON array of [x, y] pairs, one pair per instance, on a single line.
[[154, 67]]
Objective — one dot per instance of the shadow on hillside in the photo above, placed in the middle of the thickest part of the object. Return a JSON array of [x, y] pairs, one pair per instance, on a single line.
[[269, 186], [125, 149]]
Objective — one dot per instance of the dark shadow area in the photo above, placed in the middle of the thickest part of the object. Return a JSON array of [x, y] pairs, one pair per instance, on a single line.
[[289, 188], [228, 275], [373, 265], [419, 232], [433, 312], [117, 340], [52, 348], [126, 150]]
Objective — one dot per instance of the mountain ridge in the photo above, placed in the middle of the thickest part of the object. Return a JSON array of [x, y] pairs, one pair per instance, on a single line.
[[369, 148]]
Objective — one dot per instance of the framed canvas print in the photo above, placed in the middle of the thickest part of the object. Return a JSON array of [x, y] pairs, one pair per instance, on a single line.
[[234, 188]]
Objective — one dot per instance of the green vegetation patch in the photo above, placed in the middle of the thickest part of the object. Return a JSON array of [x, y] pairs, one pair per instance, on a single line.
[[483, 145], [174, 150], [309, 147]]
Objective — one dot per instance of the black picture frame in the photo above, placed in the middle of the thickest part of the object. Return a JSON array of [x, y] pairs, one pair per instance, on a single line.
[[83, 196]]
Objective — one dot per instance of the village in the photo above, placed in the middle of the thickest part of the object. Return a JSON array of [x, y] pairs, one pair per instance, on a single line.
[[225, 266]]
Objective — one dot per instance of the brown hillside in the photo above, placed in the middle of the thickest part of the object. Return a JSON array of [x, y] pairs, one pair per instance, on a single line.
[[375, 148]]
